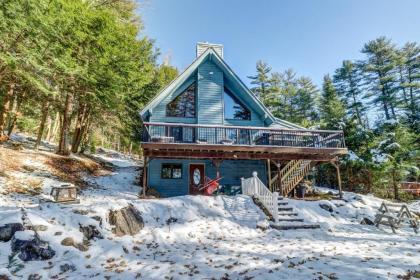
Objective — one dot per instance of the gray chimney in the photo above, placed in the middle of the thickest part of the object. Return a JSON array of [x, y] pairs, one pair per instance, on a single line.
[[203, 46]]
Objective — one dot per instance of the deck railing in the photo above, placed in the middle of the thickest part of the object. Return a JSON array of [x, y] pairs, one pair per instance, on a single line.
[[240, 135]]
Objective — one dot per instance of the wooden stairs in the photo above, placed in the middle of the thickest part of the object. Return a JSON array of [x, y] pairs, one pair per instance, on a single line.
[[290, 176], [273, 205], [288, 218]]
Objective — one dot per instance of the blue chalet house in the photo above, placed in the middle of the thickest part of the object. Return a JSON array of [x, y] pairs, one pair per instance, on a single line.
[[206, 124]]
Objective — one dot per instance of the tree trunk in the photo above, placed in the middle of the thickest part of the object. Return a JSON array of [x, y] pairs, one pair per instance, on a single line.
[[356, 107], [413, 105], [16, 113], [85, 135], [49, 128], [81, 127], [78, 128], [4, 109], [63, 143], [45, 107], [385, 104], [55, 127]]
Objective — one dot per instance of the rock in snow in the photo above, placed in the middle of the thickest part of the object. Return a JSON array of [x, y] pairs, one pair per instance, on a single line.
[[367, 221], [126, 220], [7, 231], [90, 232], [29, 247], [68, 241], [326, 207]]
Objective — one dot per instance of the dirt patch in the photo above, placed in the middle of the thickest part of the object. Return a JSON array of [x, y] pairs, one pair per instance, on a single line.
[[73, 169], [23, 171]]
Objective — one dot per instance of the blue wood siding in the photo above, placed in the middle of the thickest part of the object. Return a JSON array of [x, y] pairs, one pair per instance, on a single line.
[[210, 92], [230, 170]]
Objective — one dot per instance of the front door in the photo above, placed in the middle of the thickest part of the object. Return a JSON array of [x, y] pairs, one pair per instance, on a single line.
[[196, 180]]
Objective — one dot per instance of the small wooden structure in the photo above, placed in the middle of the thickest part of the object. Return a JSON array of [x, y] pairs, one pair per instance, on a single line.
[[65, 194], [393, 215], [411, 187]]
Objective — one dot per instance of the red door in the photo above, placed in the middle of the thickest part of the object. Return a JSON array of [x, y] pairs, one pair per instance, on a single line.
[[196, 180]]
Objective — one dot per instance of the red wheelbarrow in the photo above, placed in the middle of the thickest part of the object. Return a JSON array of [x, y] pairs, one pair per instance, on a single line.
[[210, 185]]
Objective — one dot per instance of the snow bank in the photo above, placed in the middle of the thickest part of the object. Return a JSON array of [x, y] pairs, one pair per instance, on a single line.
[[198, 237]]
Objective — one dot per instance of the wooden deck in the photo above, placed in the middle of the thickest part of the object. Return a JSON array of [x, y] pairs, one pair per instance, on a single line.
[[197, 151], [177, 140]]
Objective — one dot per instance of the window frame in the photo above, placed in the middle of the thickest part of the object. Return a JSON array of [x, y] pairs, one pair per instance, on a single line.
[[236, 100], [195, 102], [171, 166]]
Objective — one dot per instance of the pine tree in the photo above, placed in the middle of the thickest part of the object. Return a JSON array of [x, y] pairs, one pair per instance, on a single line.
[[380, 73], [348, 81], [408, 63], [330, 106], [305, 102], [262, 81]]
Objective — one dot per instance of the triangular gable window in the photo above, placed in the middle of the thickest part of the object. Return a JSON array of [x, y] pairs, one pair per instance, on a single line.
[[183, 105], [234, 109]]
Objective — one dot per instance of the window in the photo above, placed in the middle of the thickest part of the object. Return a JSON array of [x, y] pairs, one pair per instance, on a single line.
[[234, 109], [171, 171], [183, 105]]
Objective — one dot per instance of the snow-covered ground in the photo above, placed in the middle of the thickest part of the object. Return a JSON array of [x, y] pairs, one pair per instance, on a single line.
[[198, 237]]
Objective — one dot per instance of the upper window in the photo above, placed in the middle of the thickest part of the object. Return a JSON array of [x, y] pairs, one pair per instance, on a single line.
[[183, 105], [234, 109]]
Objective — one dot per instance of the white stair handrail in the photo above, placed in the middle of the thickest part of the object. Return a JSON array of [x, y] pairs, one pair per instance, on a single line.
[[253, 186]]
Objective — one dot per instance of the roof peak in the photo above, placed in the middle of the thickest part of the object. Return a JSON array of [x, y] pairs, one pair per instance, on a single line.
[[201, 47]]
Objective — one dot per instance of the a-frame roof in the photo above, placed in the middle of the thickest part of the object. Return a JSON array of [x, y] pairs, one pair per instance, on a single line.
[[212, 55]]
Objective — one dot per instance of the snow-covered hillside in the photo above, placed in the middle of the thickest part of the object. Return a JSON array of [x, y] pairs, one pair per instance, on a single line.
[[197, 237]]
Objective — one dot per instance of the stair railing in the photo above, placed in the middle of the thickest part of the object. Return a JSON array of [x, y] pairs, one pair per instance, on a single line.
[[253, 186], [289, 184], [291, 174]]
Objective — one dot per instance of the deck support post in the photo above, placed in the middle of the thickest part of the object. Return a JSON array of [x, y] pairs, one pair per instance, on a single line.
[[217, 163], [279, 187], [336, 164], [269, 174], [144, 183]]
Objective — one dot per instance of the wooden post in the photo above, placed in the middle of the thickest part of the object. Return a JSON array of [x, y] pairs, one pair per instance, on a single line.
[[217, 163], [337, 168], [280, 187], [269, 174], [145, 162], [275, 207]]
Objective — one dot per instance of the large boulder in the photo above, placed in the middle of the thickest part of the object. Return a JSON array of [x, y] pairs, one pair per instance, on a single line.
[[8, 230], [126, 221], [30, 247]]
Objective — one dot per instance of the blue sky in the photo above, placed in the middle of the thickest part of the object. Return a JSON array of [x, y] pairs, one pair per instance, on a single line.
[[310, 36]]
